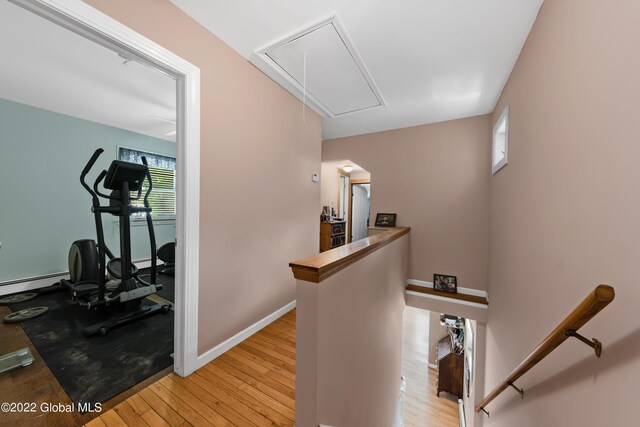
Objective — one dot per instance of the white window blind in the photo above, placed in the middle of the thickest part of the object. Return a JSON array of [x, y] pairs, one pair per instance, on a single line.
[[163, 177]]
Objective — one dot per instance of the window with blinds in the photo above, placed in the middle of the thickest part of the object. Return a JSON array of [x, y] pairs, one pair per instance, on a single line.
[[163, 177]]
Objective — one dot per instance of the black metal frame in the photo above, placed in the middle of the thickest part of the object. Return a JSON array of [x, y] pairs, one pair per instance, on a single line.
[[127, 293]]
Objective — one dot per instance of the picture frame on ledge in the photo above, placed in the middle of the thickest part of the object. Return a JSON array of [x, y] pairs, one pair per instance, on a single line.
[[445, 283], [386, 220]]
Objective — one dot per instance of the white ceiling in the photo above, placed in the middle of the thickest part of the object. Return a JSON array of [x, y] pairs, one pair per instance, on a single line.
[[337, 82], [341, 163], [432, 60], [49, 67]]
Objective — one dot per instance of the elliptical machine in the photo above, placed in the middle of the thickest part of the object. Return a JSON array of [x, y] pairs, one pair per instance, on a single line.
[[122, 292]]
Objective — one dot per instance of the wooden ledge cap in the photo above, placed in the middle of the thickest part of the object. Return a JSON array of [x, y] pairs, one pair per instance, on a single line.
[[318, 267]]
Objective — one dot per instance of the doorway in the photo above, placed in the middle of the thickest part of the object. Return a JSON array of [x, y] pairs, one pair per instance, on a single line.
[[423, 343], [94, 25], [131, 52], [70, 100], [340, 180], [360, 211]]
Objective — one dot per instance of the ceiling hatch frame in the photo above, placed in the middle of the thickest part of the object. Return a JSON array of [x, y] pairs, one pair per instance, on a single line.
[[271, 68]]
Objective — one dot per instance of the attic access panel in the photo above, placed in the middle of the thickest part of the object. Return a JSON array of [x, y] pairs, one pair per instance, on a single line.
[[323, 60]]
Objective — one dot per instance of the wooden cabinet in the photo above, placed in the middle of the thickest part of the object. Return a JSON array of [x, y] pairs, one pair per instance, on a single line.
[[450, 369], [332, 234]]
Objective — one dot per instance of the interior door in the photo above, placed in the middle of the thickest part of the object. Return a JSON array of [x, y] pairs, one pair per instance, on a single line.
[[360, 213]]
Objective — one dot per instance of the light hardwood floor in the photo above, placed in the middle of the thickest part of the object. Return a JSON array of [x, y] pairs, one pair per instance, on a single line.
[[252, 384], [33, 384], [421, 405]]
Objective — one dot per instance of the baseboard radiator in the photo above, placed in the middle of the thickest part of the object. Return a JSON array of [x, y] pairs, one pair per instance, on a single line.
[[44, 280]]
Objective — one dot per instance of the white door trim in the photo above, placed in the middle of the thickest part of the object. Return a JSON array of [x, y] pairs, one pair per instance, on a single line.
[[95, 25]]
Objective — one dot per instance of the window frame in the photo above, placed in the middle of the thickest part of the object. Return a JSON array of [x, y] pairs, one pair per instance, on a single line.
[[504, 117], [159, 218]]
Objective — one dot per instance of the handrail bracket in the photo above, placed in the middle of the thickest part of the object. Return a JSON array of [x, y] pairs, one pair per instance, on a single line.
[[593, 343], [519, 390], [485, 411]]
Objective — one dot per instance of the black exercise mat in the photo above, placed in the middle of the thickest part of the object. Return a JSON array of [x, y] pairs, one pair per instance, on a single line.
[[95, 369], [167, 282]]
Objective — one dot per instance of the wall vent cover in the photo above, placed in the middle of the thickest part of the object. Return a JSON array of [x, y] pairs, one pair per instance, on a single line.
[[325, 61]]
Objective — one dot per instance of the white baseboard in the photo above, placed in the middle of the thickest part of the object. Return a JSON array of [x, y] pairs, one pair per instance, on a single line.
[[461, 413], [227, 345], [466, 291], [144, 264], [399, 418]]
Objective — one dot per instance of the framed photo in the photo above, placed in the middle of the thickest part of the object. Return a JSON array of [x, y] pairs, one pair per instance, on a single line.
[[386, 220], [444, 283]]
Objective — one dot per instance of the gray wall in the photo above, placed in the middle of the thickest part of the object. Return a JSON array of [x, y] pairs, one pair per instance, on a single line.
[[43, 207]]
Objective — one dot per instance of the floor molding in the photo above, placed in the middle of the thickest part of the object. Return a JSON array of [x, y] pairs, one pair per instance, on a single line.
[[399, 419], [463, 420], [461, 290], [227, 345]]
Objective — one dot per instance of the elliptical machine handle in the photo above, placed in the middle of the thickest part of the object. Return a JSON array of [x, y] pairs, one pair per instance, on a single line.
[[148, 177], [91, 162], [152, 234], [97, 183], [87, 168]]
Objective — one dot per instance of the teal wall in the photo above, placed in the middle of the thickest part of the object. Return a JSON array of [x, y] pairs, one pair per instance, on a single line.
[[43, 207]]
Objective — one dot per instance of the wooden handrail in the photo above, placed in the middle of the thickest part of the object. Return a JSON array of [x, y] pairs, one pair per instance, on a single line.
[[318, 267], [601, 296]]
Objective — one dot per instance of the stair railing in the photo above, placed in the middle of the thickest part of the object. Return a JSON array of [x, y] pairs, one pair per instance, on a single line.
[[598, 299]]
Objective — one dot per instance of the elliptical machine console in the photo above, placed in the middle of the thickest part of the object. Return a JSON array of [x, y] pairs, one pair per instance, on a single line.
[[121, 291]]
